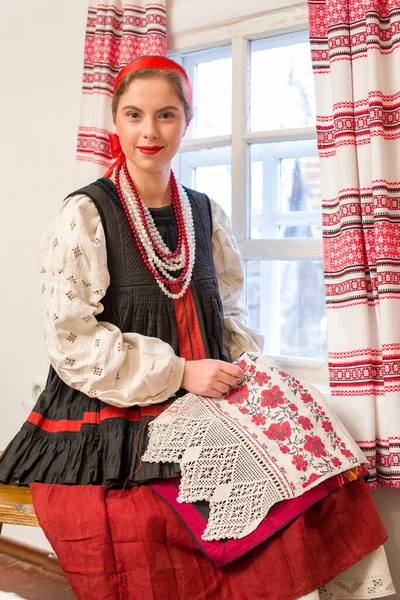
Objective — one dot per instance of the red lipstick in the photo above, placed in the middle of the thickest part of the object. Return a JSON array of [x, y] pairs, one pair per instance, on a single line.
[[150, 149]]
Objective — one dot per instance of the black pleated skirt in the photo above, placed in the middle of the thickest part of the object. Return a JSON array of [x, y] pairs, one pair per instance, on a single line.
[[70, 438]]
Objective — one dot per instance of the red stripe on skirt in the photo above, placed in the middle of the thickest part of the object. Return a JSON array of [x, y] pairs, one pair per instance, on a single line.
[[94, 418]]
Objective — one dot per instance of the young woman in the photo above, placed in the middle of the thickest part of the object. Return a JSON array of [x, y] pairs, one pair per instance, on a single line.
[[141, 284]]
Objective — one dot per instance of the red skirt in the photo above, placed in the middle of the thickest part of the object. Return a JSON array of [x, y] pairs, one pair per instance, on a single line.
[[130, 545]]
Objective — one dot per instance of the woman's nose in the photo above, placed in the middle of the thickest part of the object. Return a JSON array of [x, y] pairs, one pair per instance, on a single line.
[[150, 129]]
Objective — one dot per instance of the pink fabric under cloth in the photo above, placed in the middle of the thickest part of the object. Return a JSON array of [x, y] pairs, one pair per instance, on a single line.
[[222, 553]]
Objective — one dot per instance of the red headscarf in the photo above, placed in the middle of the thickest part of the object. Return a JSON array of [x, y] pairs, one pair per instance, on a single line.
[[143, 62]]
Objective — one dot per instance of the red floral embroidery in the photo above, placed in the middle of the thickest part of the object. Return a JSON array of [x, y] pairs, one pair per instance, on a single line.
[[292, 423], [272, 397], [283, 374], [261, 378], [278, 431], [238, 395], [300, 463], [306, 397], [315, 445], [313, 477], [327, 426], [305, 423], [258, 419], [296, 384], [242, 364], [347, 453]]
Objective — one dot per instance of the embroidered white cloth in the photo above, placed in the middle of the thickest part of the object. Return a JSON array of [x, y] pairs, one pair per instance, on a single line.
[[268, 440]]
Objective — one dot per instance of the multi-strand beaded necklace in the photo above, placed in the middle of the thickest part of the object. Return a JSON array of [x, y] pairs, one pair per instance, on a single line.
[[156, 255]]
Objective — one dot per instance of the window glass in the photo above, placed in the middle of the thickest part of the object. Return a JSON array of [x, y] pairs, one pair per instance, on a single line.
[[286, 302], [281, 85], [215, 181], [285, 191], [213, 98], [208, 171]]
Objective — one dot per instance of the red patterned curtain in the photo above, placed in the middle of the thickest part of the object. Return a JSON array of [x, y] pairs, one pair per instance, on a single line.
[[116, 33], [356, 61]]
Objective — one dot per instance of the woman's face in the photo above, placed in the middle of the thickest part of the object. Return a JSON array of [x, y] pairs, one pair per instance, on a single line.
[[150, 122]]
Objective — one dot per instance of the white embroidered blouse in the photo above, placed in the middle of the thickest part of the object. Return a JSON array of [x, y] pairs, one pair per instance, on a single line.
[[122, 369]]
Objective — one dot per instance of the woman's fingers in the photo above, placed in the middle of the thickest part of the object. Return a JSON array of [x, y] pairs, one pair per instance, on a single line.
[[232, 376], [226, 379], [223, 388], [216, 393], [212, 378], [232, 370]]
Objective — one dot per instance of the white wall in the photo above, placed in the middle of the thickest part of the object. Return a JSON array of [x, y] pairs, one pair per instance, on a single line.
[[41, 49]]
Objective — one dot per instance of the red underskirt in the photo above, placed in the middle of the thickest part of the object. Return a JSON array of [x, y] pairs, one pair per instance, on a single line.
[[130, 545]]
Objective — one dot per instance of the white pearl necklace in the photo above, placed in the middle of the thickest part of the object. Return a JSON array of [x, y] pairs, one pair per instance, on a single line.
[[162, 265]]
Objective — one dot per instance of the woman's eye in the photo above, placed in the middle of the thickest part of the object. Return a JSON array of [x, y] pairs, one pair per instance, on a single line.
[[133, 115], [166, 115]]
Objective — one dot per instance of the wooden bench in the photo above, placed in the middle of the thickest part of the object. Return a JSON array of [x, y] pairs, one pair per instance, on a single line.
[[16, 506]]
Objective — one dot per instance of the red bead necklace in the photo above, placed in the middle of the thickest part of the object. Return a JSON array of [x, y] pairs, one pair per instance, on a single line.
[[182, 234]]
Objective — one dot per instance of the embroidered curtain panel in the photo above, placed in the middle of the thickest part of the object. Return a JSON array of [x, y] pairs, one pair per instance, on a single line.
[[116, 33], [355, 48]]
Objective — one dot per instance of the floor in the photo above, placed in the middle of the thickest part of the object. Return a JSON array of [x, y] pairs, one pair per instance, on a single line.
[[32, 583]]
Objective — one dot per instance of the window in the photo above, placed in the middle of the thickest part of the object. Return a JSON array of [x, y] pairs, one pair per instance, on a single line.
[[252, 148]]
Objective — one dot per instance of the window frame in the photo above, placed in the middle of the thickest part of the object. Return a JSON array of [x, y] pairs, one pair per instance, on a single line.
[[264, 30]]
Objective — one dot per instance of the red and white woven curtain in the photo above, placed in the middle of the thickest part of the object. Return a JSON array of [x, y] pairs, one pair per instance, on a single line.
[[355, 48], [116, 33]]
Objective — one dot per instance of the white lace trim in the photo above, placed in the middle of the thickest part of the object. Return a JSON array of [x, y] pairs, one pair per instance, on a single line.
[[373, 587], [369, 578], [217, 466], [242, 466]]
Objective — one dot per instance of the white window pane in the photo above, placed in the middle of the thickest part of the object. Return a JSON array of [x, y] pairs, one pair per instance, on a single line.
[[216, 183], [213, 98], [300, 185], [285, 191], [210, 72], [207, 171], [286, 302], [281, 87]]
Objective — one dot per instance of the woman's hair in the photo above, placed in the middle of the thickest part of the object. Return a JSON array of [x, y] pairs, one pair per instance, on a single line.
[[174, 79]]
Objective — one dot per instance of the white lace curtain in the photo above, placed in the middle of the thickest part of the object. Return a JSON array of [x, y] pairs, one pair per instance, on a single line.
[[356, 56], [116, 33]]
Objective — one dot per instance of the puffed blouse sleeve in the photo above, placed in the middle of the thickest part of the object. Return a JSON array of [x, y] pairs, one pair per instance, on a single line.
[[238, 337], [122, 369]]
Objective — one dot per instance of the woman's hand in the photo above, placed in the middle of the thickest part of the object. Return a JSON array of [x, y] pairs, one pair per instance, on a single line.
[[211, 377]]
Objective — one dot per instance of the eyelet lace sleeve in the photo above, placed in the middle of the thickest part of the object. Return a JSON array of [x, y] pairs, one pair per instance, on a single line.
[[95, 357]]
